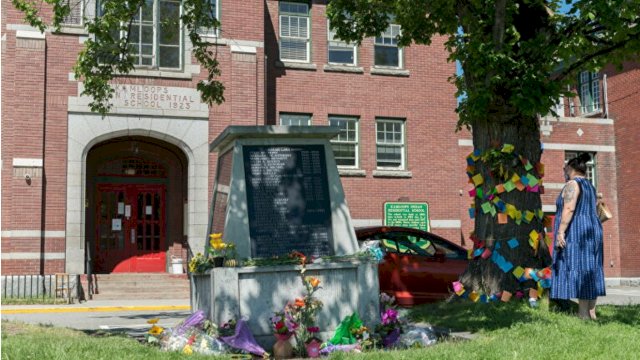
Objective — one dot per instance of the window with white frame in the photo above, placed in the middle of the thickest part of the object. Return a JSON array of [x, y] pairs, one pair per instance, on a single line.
[[591, 165], [390, 144], [559, 106], [345, 144], [386, 50], [294, 31], [589, 88], [340, 52], [76, 13], [289, 119], [212, 7], [155, 35]]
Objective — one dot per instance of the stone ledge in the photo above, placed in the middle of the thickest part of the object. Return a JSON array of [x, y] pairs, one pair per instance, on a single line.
[[389, 72], [343, 69], [352, 172], [296, 66], [392, 173]]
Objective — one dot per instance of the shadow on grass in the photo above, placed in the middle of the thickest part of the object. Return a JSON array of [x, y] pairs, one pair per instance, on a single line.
[[474, 317], [623, 314]]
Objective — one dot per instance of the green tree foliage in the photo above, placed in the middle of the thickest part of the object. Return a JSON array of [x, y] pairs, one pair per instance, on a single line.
[[517, 58]]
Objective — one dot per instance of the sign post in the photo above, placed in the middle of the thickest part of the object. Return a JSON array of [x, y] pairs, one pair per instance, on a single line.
[[407, 214]]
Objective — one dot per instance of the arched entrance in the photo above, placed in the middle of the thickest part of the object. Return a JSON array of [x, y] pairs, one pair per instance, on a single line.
[[130, 226]]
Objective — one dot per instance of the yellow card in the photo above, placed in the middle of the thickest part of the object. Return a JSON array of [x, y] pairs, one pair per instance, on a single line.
[[477, 179], [518, 272], [528, 215]]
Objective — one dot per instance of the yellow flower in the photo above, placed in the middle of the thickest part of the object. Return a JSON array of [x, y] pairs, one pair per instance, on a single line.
[[187, 350], [153, 321], [216, 241], [156, 330]]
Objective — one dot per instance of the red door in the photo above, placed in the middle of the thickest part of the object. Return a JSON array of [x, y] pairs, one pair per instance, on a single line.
[[130, 228]]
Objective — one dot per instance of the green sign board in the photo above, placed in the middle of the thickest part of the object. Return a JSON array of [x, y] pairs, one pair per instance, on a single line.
[[407, 214]]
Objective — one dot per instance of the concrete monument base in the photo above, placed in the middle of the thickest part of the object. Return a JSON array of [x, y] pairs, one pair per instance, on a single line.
[[255, 293]]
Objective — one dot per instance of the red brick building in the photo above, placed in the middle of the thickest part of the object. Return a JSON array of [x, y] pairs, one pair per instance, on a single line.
[[128, 192]]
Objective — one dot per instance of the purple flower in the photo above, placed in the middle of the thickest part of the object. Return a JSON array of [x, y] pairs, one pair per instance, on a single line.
[[389, 316]]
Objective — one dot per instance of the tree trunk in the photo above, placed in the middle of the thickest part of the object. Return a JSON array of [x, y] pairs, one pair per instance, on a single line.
[[484, 275]]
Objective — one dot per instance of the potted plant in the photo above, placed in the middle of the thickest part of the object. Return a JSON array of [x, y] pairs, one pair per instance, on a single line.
[[283, 326], [217, 249], [312, 345], [230, 256]]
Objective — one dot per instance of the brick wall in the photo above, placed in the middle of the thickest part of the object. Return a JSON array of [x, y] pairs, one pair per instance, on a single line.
[[34, 123], [624, 107]]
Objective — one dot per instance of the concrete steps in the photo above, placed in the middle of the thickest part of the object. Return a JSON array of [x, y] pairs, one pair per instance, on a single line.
[[140, 286]]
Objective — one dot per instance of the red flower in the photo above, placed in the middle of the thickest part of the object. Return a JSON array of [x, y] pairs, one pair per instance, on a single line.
[[313, 329], [299, 302], [279, 325]]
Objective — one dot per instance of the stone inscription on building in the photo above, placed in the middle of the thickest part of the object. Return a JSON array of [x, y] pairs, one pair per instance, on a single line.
[[156, 97], [288, 200]]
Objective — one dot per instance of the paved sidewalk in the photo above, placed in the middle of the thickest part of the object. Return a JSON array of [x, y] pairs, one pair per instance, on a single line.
[[616, 295], [100, 306]]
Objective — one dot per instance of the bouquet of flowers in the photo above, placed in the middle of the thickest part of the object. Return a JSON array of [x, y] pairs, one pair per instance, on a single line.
[[391, 325], [154, 335], [283, 323], [199, 264], [217, 247]]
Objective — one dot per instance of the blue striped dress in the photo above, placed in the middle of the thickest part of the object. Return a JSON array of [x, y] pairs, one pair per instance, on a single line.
[[577, 269]]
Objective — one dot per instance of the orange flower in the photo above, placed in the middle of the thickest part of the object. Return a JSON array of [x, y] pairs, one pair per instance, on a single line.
[[314, 282], [294, 254], [299, 302]]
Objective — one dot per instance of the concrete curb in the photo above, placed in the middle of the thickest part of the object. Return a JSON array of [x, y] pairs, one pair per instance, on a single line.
[[630, 282], [43, 310]]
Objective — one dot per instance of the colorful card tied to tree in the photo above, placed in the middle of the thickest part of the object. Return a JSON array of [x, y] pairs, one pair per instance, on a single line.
[[477, 179], [458, 288], [509, 186], [534, 239], [507, 148], [518, 272], [513, 243]]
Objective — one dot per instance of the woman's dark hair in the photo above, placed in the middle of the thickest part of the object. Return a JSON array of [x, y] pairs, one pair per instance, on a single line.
[[579, 163]]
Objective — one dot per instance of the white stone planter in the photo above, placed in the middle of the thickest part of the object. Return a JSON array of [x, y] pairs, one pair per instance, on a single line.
[[255, 293]]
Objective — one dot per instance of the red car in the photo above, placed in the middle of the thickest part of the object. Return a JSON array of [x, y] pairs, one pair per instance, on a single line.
[[418, 266]]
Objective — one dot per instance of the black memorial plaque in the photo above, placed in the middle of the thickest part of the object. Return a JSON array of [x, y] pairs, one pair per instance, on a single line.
[[288, 199]]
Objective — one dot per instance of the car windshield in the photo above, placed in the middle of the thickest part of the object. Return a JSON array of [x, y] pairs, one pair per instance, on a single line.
[[414, 244]]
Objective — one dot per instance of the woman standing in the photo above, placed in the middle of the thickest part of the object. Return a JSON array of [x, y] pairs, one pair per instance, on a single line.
[[577, 260]]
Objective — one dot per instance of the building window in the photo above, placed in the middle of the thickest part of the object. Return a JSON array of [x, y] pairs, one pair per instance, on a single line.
[[155, 35], [589, 87], [340, 52], [345, 144], [76, 13], [559, 107], [212, 8], [591, 165], [387, 52], [289, 119], [390, 144], [294, 31]]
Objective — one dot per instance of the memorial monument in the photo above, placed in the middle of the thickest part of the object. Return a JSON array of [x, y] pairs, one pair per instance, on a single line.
[[277, 190]]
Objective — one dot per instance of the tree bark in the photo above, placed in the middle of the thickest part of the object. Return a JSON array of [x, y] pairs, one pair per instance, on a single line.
[[484, 275]]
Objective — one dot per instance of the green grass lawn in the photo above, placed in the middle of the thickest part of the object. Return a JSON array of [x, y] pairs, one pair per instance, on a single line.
[[503, 331]]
